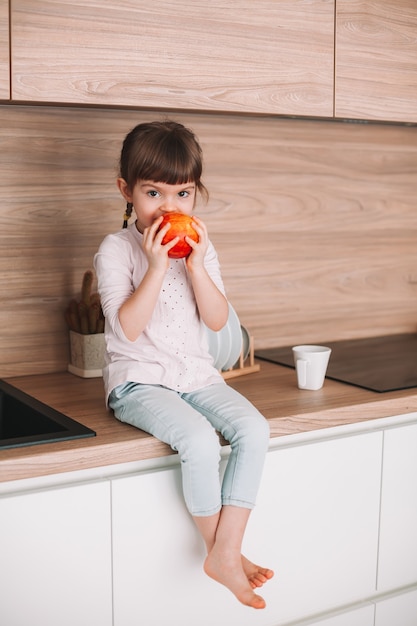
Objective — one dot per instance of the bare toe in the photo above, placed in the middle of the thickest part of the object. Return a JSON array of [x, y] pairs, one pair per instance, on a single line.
[[256, 575]]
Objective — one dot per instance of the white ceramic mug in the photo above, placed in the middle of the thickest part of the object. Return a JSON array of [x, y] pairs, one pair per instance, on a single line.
[[311, 365]]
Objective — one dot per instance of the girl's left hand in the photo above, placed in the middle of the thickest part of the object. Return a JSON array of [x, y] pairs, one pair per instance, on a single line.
[[196, 257]]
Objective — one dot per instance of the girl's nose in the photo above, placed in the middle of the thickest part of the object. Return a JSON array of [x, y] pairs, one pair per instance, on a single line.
[[169, 206]]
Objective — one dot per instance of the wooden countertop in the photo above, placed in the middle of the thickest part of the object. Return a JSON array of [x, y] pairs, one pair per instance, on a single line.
[[273, 390]]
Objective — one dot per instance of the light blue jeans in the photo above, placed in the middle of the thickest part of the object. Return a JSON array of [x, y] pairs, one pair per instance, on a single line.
[[188, 423]]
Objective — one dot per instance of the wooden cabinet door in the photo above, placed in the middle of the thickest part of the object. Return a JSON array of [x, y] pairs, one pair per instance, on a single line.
[[397, 565], [4, 50], [376, 60], [55, 557], [273, 56]]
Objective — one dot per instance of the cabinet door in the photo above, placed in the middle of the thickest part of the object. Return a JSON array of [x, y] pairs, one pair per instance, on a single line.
[[158, 556], [401, 610], [55, 563], [319, 510], [274, 56], [398, 535], [4, 50], [315, 524], [376, 60]]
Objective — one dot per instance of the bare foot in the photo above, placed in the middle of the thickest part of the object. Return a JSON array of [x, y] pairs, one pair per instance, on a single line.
[[256, 575], [229, 571]]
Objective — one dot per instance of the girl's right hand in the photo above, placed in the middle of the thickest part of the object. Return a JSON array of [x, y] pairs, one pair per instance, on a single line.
[[156, 253]]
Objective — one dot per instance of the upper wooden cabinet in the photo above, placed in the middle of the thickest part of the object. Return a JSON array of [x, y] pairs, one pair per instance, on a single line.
[[376, 60], [271, 56], [4, 50]]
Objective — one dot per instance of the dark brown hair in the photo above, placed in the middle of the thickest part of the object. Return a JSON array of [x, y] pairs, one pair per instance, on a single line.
[[165, 152]]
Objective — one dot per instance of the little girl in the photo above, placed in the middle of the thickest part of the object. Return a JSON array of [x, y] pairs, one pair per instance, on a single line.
[[159, 375]]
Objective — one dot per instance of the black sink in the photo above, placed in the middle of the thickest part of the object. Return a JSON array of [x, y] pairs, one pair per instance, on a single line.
[[24, 421]]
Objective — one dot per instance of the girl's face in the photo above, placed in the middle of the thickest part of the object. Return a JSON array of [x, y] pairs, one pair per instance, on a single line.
[[151, 200]]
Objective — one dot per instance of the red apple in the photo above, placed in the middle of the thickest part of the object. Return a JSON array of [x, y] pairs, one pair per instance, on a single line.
[[181, 226]]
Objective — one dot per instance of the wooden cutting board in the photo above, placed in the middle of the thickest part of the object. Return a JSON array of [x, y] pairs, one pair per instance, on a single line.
[[387, 363]]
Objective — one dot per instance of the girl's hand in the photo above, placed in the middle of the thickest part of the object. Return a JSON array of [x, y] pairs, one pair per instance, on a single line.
[[196, 257], [211, 303], [156, 253]]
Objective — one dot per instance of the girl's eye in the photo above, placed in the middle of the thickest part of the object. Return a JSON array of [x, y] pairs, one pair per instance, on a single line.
[[153, 193], [184, 194]]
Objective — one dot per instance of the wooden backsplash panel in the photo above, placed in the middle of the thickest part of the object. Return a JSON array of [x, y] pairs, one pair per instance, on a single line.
[[315, 223]]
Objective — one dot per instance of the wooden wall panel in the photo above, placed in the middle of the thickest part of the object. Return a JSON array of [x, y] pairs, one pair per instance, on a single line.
[[269, 56], [315, 223], [376, 60], [4, 50]]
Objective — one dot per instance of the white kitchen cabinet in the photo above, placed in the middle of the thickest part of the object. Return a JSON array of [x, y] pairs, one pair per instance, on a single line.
[[55, 557], [363, 616], [399, 610], [397, 564], [158, 557], [315, 524], [318, 514]]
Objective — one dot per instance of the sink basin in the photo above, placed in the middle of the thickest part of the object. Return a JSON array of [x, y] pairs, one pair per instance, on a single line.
[[25, 421]]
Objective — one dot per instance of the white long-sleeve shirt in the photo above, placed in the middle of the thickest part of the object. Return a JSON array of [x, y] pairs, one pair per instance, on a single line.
[[173, 349]]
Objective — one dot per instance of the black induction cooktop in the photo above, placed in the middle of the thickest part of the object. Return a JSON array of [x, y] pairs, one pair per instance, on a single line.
[[387, 363]]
